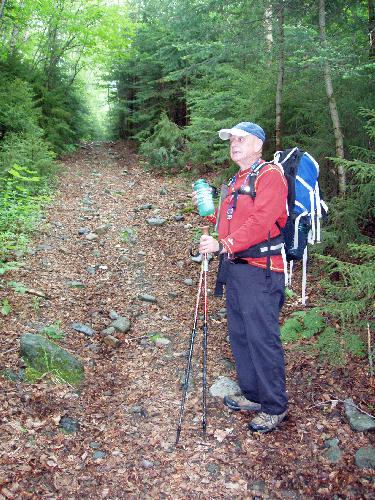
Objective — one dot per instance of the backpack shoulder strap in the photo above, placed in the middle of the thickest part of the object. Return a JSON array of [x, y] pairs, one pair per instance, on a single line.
[[254, 174]]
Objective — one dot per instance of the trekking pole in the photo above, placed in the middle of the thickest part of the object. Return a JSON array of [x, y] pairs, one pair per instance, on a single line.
[[204, 367], [190, 355], [191, 347]]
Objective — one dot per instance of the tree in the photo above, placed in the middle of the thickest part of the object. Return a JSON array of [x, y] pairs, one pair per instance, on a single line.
[[331, 99]]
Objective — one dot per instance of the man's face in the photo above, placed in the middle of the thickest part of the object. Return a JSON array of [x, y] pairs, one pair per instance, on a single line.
[[244, 149]]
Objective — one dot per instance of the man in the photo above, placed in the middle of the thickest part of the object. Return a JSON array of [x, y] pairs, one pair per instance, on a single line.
[[252, 268]]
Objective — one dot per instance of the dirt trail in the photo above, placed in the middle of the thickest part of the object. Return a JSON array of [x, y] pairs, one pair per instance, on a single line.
[[128, 407]]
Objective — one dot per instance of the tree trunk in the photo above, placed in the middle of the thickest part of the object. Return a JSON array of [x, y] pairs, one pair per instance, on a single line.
[[331, 100], [268, 13], [371, 27], [280, 78]]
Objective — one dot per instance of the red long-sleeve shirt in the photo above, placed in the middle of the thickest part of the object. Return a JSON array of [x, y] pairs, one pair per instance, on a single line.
[[252, 219]]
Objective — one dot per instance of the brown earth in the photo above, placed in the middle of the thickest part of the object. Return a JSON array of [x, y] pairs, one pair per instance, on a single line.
[[129, 404]]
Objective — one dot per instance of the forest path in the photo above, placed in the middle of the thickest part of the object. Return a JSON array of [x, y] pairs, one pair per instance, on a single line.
[[128, 408]]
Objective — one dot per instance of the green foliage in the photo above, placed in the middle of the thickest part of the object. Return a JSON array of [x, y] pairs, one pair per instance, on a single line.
[[20, 208], [5, 307], [302, 325], [334, 346], [164, 147], [53, 331]]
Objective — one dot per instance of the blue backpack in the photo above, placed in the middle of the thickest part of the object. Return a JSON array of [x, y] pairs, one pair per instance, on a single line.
[[305, 207]]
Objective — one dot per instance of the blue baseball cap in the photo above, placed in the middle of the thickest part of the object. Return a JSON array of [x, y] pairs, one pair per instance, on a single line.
[[242, 130]]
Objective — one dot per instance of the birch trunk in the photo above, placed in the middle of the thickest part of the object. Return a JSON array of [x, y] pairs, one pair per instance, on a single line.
[[339, 141], [268, 26], [280, 79]]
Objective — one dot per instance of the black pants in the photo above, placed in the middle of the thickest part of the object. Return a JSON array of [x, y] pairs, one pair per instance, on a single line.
[[253, 306]]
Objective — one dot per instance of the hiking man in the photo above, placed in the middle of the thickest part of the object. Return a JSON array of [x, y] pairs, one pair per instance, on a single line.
[[250, 224]]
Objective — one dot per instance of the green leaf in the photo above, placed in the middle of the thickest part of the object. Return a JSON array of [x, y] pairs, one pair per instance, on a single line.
[[5, 307]]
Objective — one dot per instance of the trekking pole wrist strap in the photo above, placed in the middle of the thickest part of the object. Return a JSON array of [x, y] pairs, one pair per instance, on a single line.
[[221, 246]]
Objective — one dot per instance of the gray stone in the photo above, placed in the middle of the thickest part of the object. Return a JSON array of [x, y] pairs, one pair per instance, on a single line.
[[146, 206], [147, 464], [163, 191], [96, 253], [365, 457], [141, 253], [87, 201], [358, 421], [156, 221], [173, 295], [259, 486], [147, 298], [75, 284], [69, 425], [222, 313], [113, 315], [91, 270], [162, 342], [102, 229], [189, 282], [94, 348], [108, 331], [213, 469], [121, 324], [179, 218], [83, 230], [80, 327], [94, 445], [47, 357], [97, 455], [332, 451], [91, 236], [224, 386]]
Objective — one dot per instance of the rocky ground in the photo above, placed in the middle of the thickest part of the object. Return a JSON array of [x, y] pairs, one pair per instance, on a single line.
[[114, 243]]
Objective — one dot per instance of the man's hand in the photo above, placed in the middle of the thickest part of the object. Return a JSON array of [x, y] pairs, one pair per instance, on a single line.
[[208, 244]]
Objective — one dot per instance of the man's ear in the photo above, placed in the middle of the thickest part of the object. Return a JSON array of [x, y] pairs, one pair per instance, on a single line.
[[258, 144]]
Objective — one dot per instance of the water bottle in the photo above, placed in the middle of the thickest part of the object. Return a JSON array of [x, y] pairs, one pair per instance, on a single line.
[[204, 197]]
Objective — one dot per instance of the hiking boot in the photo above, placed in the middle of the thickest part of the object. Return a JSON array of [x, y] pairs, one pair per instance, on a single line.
[[264, 422], [240, 403]]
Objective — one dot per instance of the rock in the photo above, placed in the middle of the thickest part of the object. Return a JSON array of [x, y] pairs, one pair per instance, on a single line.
[[224, 386], [108, 331], [163, 191], [173, 295], [141, 253], [111, 341], [155, 221], [87, 201], [96, 253], [94, 445], [69, 425], [147, 464], [189, 282], [146, 206], [102, 229], [162, 342], [80, 327], [91, 270], [97, 455], [213, 469], [75, 284], [332, 451], [91, 236], [179, 218], [113, 315], [259, 486], [222, 313], [43, 356], [84, 230], [94, 348], [147, 298], [121, 324], [365, 458], [358, 421]]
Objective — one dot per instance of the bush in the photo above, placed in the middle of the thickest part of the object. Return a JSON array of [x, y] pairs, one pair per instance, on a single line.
[[28, 150], [164, 148]]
